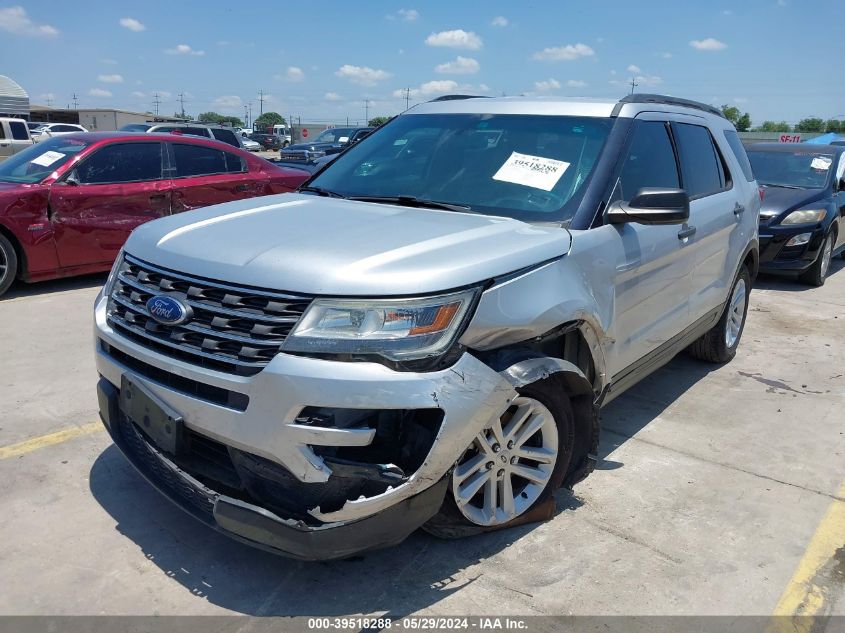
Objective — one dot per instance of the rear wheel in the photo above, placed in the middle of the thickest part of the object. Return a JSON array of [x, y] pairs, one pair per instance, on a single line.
[[719, 344], [513, 465], [8, 264], [816, 274]]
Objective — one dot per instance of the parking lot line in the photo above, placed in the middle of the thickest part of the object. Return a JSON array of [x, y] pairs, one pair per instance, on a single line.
[[27, 446], [808, 592]]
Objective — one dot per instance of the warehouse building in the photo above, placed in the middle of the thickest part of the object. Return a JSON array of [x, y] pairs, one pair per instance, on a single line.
[[93, 119], [14, 101]]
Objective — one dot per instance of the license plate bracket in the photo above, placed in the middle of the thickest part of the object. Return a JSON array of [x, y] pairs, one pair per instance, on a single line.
[[163, 426]]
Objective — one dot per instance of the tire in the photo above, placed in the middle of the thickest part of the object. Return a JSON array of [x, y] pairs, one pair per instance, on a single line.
[[816, 274], [8, 264], [719, 344], [458, 518]]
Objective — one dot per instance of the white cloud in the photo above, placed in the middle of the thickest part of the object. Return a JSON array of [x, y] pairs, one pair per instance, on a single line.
[[483, 88], [499, 20], [576, 83], [708, 44], [740, 100], [727, 12], [437, 86], [139, 95], [362, 75], [228, 102], [455, 39], [132, 24], [99, 92], [15, 20], [332, 96], [108, 62], [110, 79], [294, 73], [666, 55], [634, 69], [184, 49], [407, 15], [162, 94], [781, 3], [643, 81], [547, 86], [564, 53], [458, 66]]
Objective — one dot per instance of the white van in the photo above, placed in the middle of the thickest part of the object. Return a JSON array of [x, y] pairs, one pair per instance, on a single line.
[[14, 137]]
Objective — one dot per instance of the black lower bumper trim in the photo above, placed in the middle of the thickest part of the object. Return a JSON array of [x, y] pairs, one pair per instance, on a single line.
[[254, 525]]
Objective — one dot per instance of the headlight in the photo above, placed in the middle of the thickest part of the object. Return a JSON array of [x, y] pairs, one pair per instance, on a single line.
[[115, 269], [397, 329], [805, 216]]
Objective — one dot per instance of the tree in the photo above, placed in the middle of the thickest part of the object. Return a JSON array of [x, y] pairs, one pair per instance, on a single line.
[[378, 120], [774, 126], [268, 120], [834, 125], [812, 124], [741, 121], [214, 117]]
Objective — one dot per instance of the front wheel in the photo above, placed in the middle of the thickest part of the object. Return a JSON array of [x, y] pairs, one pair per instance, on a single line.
[[719, 344], [8, 264], [513, 465], [816, 274]]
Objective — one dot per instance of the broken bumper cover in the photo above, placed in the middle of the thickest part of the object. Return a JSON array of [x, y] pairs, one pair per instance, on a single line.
[[257, 526]]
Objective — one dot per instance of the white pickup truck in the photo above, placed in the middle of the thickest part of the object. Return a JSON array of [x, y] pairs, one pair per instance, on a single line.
[[14, 137]]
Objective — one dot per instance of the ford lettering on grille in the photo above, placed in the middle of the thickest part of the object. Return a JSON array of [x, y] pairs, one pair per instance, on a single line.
[[168, 310]]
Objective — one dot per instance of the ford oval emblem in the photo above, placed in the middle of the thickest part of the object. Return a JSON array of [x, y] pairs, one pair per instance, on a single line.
[[168, 310]]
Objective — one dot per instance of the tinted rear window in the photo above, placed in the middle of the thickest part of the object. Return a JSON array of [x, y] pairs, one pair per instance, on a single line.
[[226, 136], [196, 160], [18, 129], [122, 162], [700, 165], [739, 151]]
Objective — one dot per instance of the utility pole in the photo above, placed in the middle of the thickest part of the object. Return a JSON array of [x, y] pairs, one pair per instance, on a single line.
[[261, 101], [156, 102], [182, 103], [249, 103], [367, 111], [75, 102], [49, 102], [633, 84], [407, 98], [246, 117]]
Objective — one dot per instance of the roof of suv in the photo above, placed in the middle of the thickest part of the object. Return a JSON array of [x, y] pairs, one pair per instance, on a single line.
[[627, 107]]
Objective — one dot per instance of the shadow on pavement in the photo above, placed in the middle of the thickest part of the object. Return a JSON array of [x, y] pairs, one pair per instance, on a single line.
[[412, 576], [20, 289], [789, 282]]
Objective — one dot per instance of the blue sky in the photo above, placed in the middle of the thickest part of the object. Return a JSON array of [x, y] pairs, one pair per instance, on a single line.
[[777, 59]]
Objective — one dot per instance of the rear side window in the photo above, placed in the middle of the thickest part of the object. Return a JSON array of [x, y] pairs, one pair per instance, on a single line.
[[122, 162], [739, 151], [2, 130], [197, 160], [18, 129], [650, 161], [234, 163], [701, 166], [226, 136]]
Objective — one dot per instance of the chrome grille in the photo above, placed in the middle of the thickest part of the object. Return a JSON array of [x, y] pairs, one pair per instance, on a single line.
[[233, 329], [294, 155]]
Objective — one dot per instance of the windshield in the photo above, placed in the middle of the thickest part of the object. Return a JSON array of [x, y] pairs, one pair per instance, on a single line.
[[528, 167], [801, 168], [35, 163], [335, 135]]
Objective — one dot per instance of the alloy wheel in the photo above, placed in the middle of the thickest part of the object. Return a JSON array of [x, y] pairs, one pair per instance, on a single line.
[[827, 253], [736, 313], [508, 465]]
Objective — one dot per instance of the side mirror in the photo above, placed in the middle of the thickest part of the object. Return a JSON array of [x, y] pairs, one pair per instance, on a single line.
[[652, 206]]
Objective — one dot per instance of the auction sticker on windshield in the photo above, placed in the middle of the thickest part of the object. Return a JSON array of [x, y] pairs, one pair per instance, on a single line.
[[822, 163], [531, 171], [47, 158]]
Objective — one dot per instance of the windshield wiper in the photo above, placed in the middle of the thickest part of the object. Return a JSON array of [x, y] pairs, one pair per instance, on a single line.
[[322, 192], [771, 184], [412, 201]]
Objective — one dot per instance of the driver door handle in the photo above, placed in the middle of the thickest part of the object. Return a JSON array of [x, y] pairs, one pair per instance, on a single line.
[[687, 232], [738, 209]]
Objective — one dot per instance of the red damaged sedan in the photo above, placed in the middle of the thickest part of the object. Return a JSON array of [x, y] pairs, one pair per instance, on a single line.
[[68, 204]]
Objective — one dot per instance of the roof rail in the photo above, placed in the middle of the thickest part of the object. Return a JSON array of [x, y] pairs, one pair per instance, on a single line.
[[664, 99], [457, 97]]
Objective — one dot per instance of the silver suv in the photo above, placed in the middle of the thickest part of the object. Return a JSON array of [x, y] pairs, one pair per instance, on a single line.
[[425, 333]]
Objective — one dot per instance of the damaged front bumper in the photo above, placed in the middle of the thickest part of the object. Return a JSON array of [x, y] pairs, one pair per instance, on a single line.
[[311, 458]]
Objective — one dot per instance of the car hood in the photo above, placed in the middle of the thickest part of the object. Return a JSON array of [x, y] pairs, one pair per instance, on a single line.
[[779, 200], [311, 147], [325, 246]]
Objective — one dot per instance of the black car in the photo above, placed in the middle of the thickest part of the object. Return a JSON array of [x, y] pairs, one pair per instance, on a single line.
[[268, 141], [331, 141], [802, 215]]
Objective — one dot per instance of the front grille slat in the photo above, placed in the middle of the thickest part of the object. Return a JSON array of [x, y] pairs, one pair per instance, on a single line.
[[233, 329]]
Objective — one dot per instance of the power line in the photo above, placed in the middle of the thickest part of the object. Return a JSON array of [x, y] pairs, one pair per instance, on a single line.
[[75, 102], [156, 102], [182, 103], [261, 101]]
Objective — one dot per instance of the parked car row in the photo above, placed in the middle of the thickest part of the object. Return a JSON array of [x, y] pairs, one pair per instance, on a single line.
[[68, 203]]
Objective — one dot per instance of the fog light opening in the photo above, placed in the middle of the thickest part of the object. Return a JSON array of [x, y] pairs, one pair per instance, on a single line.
[[799, 240]]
